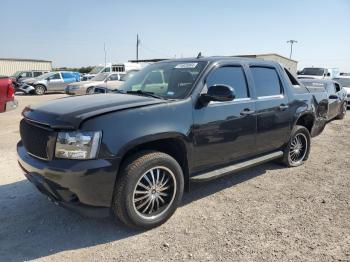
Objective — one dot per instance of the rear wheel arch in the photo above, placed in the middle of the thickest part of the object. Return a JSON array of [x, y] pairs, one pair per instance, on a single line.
[[306, 120]]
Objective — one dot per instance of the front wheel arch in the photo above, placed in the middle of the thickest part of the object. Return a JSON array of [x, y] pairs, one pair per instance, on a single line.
[[174, 145]]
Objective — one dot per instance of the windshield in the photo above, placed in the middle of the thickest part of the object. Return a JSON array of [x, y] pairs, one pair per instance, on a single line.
[[96, 70], [343, 81], [127, 76], [16, 74], [313, 71], [99, 77], [173, 80]]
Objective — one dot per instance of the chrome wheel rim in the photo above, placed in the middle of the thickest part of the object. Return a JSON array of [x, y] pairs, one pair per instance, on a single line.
[[154, 192], [40, 90], [298, 148]]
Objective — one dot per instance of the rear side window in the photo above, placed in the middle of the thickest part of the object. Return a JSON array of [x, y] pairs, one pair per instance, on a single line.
[[266, 80], [232, 76], [36, 74], [67, 76]]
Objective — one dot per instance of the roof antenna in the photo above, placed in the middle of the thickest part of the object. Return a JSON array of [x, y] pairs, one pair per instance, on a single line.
[[199, 55]]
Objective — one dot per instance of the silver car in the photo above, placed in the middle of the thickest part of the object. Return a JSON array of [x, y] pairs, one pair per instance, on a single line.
[[51, 82], [87, 87]]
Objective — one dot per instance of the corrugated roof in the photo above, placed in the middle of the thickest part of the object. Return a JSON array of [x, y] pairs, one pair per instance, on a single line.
[[29, 60], [268, 54]]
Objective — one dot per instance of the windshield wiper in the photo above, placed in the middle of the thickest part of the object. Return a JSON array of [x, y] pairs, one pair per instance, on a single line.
[[144, 93]]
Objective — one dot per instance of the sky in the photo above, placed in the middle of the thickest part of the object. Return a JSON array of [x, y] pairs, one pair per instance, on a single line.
[[73, 33]]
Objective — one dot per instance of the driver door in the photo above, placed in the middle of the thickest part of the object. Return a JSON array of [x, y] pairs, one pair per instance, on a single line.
[[225, 131], [55, 82]]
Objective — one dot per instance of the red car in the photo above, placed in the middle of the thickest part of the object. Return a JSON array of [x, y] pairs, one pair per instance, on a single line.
[[7, 94]]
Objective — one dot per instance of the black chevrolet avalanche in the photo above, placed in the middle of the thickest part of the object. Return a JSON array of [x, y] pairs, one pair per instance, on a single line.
[[134, 151]]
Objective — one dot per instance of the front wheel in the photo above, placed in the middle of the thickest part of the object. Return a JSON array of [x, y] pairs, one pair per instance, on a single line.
[[39, 90], [298, 148], [90, 90], [149, 190]]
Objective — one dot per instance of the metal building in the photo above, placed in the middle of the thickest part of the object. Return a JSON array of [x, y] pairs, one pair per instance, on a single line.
[[9, 66], [290, 64]]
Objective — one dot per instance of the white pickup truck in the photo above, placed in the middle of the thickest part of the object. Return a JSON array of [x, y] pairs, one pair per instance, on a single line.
[[318, 73]]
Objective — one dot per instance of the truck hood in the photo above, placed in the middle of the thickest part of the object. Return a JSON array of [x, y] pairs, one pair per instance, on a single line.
[[70, 112]]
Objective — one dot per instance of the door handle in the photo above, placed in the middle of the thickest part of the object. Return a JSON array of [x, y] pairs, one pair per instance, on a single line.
[[247, 112], [284, 106]]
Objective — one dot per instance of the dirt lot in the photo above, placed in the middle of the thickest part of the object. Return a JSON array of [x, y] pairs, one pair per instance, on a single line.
[[268, 213]]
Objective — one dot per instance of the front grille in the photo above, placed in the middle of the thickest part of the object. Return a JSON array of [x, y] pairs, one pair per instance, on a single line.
[[35, 138]]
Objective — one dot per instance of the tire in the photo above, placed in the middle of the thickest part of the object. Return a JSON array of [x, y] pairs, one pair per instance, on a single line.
[[90, 90], [40, 90], [342, 112], [294, 155], [135, 202]]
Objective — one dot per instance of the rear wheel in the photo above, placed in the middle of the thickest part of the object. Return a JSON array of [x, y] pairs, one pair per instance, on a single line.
[[149, 190], [342, 112], [40, 90], [298, 148]]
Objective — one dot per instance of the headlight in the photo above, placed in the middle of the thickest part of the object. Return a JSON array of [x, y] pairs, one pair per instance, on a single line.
[[78, 145]]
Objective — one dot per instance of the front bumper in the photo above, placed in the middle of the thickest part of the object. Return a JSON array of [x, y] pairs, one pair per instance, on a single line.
[[72, 90], [85, 186]]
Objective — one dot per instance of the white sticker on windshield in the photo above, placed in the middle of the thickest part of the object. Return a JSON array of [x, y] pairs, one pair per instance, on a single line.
[[187, 65]]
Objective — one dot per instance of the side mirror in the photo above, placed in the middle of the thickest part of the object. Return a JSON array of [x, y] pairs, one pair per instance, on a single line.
[[333, 97], [219, 93], [48, 79]]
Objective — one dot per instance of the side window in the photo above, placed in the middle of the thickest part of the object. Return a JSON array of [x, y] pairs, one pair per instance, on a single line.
[[67, 76], [266, 80], [36, 74], [55, 76], [337, 87], [232, 76], [113, 77], [26, 74]]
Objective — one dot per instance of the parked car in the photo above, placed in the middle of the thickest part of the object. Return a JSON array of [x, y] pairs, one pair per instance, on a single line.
[[113, 85], [337, 103], [87, 87], [112, 68], [318, 73], [345, 82], [7, 92], [22, 75], [51, 82], [135, 151]]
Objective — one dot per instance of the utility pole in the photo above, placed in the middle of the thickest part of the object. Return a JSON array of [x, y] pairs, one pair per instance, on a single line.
[[104, 49], [291, 42], [137, 47]]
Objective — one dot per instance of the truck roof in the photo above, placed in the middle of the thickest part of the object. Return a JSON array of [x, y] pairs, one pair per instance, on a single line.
[[219, 59]]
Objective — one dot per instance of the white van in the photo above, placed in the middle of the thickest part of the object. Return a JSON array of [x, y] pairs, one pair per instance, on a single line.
[[111, 68], [318, 73]]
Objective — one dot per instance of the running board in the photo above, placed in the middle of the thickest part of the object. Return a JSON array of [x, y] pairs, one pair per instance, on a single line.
[[236, 167]]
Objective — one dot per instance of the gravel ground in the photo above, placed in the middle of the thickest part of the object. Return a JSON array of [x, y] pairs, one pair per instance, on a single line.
[[267, 213]]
